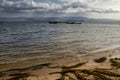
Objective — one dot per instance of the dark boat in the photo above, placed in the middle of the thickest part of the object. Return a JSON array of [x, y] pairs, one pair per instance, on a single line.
[[55, 22]]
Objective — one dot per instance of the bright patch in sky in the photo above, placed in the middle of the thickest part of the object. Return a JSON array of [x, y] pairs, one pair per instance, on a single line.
[[60, 8]]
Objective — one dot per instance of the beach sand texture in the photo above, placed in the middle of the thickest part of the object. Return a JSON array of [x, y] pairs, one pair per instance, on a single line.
[[97, 65]]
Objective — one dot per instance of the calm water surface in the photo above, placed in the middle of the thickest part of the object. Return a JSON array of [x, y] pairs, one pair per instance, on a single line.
[[21, 41]]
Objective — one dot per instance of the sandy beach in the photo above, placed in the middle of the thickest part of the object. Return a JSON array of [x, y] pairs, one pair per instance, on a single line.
[[59, 40], [72, 68]]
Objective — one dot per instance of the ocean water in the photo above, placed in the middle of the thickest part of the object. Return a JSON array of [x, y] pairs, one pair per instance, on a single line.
[[22, 41]]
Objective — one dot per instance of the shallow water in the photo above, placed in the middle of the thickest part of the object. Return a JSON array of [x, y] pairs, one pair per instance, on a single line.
[[21, 41]]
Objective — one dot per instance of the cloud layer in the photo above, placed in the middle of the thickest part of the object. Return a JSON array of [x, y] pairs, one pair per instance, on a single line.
[[47, 8]]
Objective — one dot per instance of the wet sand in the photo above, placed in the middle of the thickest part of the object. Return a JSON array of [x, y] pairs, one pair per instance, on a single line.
[[58, 69]]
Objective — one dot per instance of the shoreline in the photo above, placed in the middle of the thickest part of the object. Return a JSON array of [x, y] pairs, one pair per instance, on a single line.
[[44, 60], [42, 70]]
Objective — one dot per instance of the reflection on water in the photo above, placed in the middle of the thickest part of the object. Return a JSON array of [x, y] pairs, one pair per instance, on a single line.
[[54, 40]]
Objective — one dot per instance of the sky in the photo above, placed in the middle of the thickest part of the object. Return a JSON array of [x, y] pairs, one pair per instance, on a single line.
[[108, 9]]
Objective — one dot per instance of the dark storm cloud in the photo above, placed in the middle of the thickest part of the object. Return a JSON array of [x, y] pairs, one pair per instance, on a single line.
[[75, 5], [19, 5], [48, 7]]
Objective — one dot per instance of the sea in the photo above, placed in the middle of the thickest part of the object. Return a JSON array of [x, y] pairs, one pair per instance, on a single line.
[[21, 41]]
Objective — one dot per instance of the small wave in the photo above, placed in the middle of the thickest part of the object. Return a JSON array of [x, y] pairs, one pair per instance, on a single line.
[[31, 32], [114, 47], [20, 40]]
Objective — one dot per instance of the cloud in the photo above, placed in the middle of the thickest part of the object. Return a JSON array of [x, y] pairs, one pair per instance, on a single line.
[[85, 7], [97, 10], [56, 7], [27, 5], [2, 2]]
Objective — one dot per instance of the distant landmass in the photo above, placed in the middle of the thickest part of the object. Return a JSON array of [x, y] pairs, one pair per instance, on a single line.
[[49, 19]]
